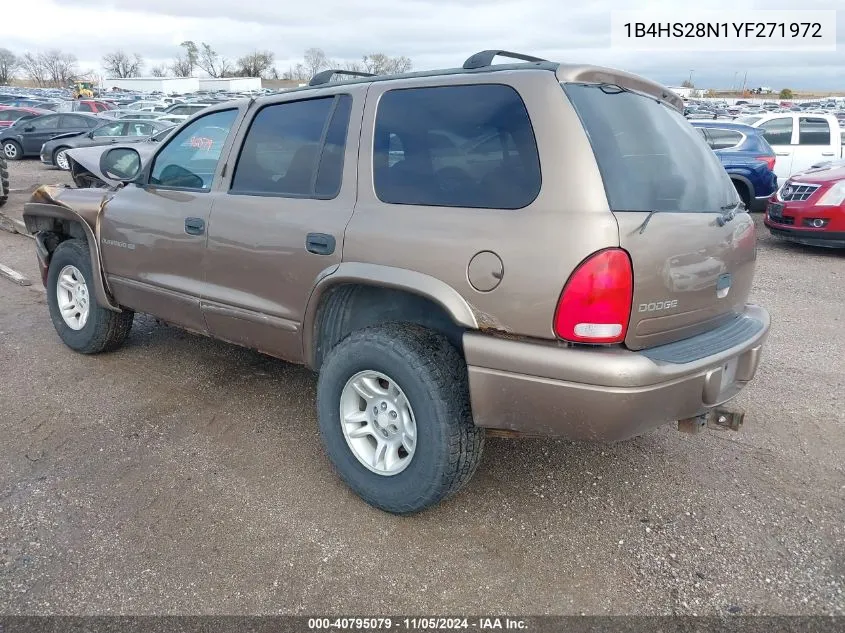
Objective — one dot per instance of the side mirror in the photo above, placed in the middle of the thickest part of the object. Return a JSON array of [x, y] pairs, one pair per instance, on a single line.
[[29, 128], [121, 163]]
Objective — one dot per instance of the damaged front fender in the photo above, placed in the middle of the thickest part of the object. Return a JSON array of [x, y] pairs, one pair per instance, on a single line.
[[55, 213]]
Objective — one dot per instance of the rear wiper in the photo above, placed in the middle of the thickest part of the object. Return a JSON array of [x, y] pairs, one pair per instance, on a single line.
[[612, 89], [646, 221], [729, 212]]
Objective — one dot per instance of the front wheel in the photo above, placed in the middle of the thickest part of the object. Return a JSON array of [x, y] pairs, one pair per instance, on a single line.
[[60, 159], [395, 418], [12, 151], [82, 323]]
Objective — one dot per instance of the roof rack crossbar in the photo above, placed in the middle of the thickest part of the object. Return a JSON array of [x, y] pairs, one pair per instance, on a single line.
[[325, 76], [485, 58]]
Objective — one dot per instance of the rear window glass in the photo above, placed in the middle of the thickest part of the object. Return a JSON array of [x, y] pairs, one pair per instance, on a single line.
[[723, 139], [455, 146], [649, 156]]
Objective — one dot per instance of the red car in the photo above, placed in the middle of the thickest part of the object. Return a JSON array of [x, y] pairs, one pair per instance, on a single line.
[[810, 207], [92, 105], [10, 114]]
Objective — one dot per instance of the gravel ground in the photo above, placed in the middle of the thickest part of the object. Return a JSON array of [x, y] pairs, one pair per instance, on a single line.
[[183, 475]]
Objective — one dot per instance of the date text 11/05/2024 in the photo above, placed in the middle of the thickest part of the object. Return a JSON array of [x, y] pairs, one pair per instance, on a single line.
[[417, 624], [812, 30]]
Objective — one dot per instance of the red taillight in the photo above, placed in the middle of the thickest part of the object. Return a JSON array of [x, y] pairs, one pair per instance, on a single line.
[[595, 304], [769, 160]]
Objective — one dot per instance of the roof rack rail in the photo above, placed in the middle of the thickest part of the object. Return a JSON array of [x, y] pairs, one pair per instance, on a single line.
[[325, 76], [485, 58]]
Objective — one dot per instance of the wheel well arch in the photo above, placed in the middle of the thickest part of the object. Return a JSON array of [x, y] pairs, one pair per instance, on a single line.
[[741, 181], [352, 305], [51, 225]]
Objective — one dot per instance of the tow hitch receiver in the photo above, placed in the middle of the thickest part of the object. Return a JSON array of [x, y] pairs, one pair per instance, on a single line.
[[717, 418]]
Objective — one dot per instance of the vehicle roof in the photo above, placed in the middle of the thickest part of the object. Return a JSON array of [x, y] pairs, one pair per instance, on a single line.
[[4, 106], [565, 72]]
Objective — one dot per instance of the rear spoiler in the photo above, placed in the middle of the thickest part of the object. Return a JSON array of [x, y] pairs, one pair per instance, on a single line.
[[574, 73]]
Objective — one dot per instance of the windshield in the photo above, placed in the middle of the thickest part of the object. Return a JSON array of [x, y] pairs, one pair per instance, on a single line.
[[650, 157]]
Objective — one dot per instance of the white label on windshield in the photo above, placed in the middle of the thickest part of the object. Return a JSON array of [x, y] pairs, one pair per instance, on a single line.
[[740, 30]]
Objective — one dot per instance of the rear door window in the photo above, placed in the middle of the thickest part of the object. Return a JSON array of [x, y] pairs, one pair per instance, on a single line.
[[649, 156], [110, 129], [777, 131], [813, 131], [455, 146]]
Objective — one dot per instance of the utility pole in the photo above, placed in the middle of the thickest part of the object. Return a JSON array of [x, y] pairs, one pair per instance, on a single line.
[[733, 83], [690, 78], [744, 80]]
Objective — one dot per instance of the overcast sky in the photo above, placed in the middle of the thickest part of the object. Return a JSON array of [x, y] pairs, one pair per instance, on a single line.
[[433, 33]]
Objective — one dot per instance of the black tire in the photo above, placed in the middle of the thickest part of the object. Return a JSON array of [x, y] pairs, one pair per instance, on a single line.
[[105, 330], [744, 194], [18, 153], [433, 376], [4, 181]]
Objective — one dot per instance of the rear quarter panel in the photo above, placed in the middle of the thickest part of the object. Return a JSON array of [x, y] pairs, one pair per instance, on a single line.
[[540, 245]]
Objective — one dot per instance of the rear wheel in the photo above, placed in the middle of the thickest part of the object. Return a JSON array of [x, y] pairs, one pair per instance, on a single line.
[[12, 151], [83, 324], [395, 419], [744, 194]]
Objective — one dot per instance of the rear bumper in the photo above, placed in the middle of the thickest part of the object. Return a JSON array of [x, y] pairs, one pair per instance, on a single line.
[[607, 394], [759, 203]]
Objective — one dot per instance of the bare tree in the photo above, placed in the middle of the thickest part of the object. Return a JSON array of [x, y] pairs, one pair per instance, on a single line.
[[226, 68], [51, 69], [184, 63], [191, 54], [295, 73], [212, 63], [181, 66], [315, 61], [357, 67], [9, 65], [381, 64], [33, 69], [121, 65], [159, 71], [256, 64]]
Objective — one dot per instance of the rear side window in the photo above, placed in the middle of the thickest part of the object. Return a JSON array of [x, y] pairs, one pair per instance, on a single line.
[[455, 146], [777, 131], [813, 131], [295, 149], [724, 139], [45, 122], [649, 156]]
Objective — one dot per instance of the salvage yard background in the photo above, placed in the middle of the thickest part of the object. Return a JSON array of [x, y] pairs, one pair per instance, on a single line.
[[183, 475]]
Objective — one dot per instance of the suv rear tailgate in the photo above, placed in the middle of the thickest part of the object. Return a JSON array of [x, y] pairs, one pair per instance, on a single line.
[[692, 253]]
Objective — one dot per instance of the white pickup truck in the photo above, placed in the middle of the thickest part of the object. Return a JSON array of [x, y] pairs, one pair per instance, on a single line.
[[801, 140]]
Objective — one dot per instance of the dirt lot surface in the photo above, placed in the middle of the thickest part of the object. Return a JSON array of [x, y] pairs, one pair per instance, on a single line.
[[182, 475]]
